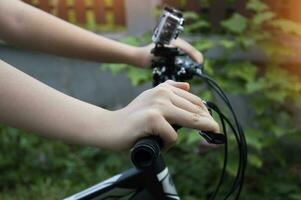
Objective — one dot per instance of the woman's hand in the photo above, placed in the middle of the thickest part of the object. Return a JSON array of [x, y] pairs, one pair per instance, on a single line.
[[154, 111], [143, 56], [30, 105]]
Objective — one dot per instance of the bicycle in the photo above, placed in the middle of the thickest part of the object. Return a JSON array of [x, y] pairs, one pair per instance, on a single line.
[[150, 179]]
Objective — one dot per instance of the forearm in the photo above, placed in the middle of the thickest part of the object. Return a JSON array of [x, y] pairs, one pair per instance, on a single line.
[[26, 26], [31, 105]]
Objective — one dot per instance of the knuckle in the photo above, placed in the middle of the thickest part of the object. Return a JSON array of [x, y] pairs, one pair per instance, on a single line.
[[169, 82], [216, 126], [195, 52], [160, 103], [173, 138], [204, 108], [201, 56], [198, 55], [204, 112], [153, 116], [166, 84], [163, 84], [195, 118], [162, 91], [200, 100]]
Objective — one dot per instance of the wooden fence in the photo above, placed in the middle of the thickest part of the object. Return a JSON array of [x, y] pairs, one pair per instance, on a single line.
[[112, 12], [104, 11]]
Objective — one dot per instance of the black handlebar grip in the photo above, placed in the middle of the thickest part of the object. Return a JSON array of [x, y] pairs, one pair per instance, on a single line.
[[146, 151]]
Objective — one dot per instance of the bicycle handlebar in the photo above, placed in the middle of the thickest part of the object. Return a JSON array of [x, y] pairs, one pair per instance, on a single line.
[[146, 151]]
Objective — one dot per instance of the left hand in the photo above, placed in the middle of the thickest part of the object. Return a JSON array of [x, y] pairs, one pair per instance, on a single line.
[[144, 55]]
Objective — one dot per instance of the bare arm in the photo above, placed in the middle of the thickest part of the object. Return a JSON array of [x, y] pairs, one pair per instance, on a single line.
[[31, 105], [26, 26]]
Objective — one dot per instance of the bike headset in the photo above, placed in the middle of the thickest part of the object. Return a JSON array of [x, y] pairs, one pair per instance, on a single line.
[[173, 64]]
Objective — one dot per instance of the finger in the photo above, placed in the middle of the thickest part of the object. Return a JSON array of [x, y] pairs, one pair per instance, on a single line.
[[184, 94], [189, 49], [175, 115], [166, 132], [181, 85], [190, 97], [187, 105]]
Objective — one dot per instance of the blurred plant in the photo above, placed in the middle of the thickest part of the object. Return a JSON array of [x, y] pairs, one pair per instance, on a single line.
[[36, 168]]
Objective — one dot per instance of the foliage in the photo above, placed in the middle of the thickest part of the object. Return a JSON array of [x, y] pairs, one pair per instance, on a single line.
[[236, 24], [267, 96], [35, 168]]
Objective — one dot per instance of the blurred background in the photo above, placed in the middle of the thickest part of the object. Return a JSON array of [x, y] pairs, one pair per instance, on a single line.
[[251, 47]]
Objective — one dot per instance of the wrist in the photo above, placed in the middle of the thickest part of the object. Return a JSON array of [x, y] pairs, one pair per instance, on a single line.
[[141, 56], [100, 128], [111, 130], [135, 57]]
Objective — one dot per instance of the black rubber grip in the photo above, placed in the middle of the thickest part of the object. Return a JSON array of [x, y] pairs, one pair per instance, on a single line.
[[146, 151]]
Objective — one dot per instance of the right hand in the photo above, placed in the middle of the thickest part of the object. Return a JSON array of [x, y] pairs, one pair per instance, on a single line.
[[155, 111], [143, 56]]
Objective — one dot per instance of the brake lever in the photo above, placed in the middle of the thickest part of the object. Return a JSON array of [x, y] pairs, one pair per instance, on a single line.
[[209, 136], [213, 138]]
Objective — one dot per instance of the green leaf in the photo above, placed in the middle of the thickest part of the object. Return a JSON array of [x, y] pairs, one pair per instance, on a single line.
[[232, 167], [203, 45], [279, 131], [255, 160], [275, 51], [287, 26], [208, 66], [114, 68], [243, 70], [286, 188], [138, 76], [193, 137], [191, 15], [260, 18], [247, 42], [254, 138], [277, 95], [236, 24], [257, 6], [296, 196], [197, 26], [297, 100], [227, 44], [255, 86]]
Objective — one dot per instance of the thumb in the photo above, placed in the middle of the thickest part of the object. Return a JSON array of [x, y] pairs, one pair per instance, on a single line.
[[181, 85], [189, 49]]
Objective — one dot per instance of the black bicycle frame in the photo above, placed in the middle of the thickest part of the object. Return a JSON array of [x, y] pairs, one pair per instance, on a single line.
[[151, 183]]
